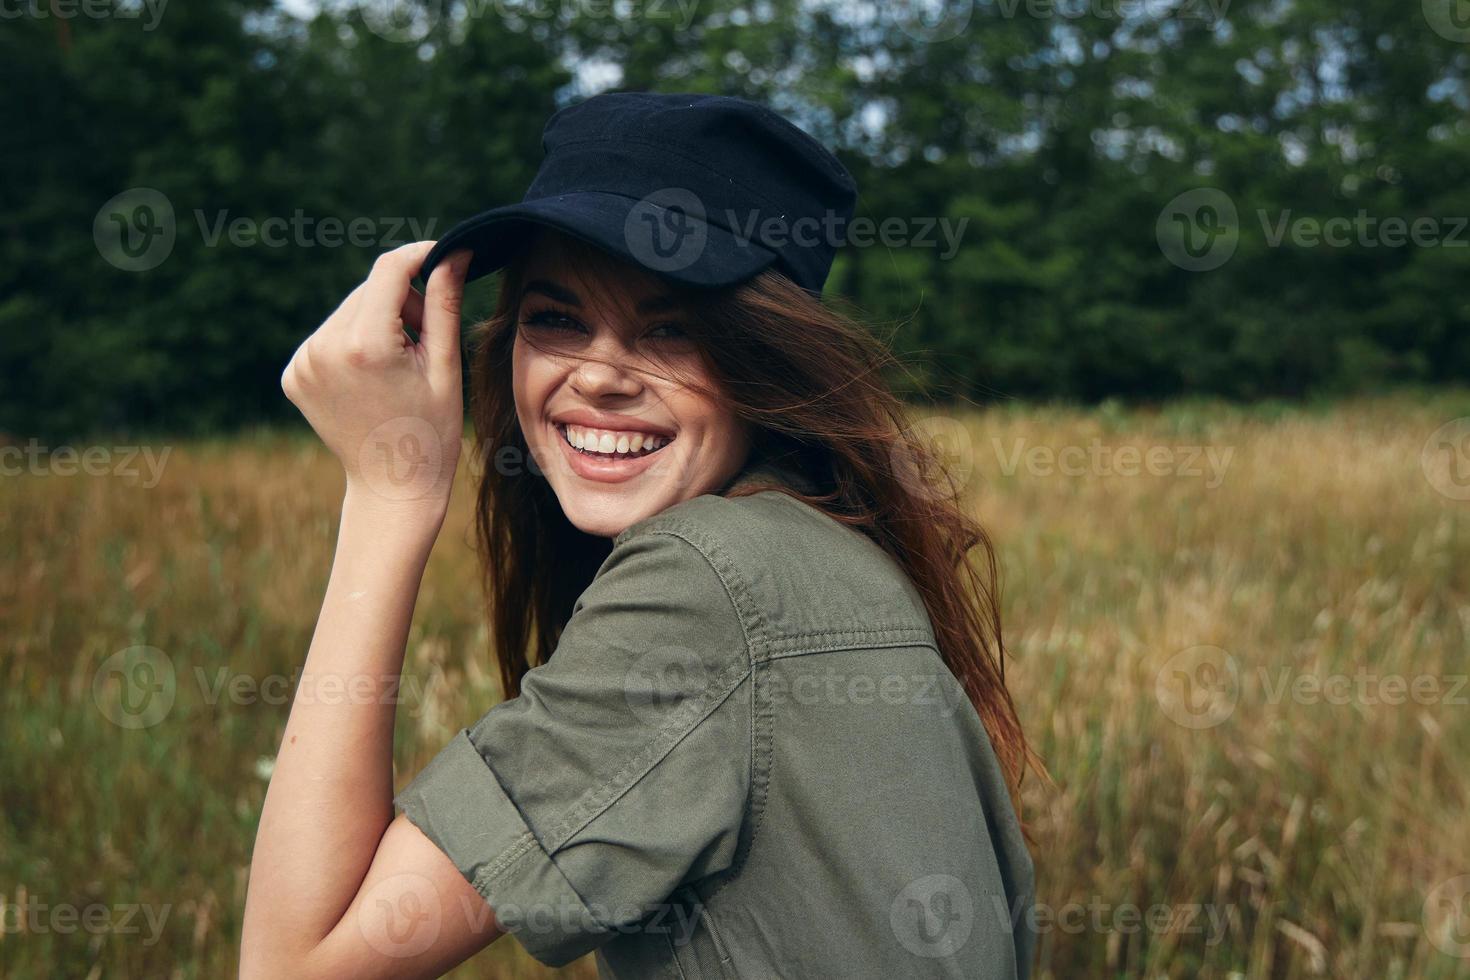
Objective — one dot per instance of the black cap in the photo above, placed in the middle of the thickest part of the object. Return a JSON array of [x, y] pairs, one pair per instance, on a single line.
[[704, 190]]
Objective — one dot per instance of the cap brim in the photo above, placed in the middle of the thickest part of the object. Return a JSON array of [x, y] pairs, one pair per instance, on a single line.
[[680, 247]]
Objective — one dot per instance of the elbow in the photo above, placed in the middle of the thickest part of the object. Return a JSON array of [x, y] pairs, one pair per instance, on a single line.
[[274, 957], [260, 964]]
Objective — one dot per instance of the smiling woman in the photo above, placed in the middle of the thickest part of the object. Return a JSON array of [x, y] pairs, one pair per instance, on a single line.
[[629, 420], [756, 720]]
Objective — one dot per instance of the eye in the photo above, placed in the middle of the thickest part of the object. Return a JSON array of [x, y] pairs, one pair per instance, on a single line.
[[551, 320], [667, 331]]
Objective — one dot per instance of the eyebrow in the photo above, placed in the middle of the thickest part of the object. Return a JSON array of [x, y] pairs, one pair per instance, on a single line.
[[656, 304]]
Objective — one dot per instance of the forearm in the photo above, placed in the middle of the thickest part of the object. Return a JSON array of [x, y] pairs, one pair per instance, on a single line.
[[330, 795]]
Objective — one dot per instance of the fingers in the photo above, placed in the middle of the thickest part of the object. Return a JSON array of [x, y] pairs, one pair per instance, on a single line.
[[413, 311], [386, 291], [443, 300]]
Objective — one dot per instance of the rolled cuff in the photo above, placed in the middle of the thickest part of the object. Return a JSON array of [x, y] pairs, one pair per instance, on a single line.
[[459, 805]]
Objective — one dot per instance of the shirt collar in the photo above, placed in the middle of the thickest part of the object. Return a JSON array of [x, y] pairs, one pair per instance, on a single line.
[[759, 471], [756, 472]]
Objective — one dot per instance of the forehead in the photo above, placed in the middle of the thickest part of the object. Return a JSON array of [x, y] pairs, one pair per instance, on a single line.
[[578, 274]]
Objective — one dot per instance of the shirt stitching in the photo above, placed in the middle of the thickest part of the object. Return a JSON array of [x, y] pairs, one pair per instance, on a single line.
[[839, 640], [595, 802], [647, 759], [762, 717], [745, 611], [506, 857], [502, 867]]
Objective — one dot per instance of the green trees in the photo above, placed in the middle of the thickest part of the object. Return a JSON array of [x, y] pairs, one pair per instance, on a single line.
[[1323, 247]]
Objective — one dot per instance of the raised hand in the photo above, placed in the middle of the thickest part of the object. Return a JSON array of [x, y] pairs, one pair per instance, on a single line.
[[391, 409]]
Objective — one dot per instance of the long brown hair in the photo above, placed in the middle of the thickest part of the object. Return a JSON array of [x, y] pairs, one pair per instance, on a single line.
[[812, 383]]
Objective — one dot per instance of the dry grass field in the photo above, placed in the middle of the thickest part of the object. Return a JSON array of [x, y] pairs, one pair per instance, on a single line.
[[1242, 652]]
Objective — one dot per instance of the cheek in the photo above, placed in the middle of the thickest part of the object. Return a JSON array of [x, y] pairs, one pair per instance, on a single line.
[[722, 434], [533, 377]]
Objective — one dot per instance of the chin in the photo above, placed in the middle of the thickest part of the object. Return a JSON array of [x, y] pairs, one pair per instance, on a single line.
[[608, 508], [591, 513]]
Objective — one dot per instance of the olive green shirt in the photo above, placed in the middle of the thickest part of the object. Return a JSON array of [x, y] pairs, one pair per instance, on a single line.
[[745, 759]]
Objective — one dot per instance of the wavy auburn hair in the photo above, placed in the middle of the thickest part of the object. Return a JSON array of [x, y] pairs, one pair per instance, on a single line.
[[809, 380]]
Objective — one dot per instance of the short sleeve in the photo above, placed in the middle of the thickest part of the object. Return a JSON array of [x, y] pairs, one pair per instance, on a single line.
[[622, 770]]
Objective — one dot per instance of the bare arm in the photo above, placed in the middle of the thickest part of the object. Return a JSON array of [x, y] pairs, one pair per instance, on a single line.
[[338, 887]]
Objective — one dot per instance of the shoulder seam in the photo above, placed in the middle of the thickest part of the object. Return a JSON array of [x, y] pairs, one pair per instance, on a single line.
[[749, 616]]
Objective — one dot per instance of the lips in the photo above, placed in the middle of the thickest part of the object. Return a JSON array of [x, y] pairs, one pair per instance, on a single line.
[[614, 448]]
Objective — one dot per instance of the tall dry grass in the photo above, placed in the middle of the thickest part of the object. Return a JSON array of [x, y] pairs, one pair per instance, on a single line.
[[1211, 816]]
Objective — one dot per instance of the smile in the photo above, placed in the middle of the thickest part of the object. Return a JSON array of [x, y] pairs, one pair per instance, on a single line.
[[612, 443]]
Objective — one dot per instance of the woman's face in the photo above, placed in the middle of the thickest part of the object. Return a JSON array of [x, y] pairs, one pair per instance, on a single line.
[[609, 395]]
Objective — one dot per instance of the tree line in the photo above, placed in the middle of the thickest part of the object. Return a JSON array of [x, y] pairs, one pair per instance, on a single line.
[[1071, 199]]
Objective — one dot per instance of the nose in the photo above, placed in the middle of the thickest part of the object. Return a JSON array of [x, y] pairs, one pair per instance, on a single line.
[[603, 375]]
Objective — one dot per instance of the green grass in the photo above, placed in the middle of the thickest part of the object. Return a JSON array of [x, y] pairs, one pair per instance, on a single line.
[[1314, 828]]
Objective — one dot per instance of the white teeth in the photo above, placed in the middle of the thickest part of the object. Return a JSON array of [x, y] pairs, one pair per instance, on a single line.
[[608, 441]]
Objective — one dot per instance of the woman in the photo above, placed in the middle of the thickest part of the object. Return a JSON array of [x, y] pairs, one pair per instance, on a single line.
[[767, 734]]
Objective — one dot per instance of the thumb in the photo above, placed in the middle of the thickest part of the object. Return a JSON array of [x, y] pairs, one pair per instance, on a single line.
[[443, 301]]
